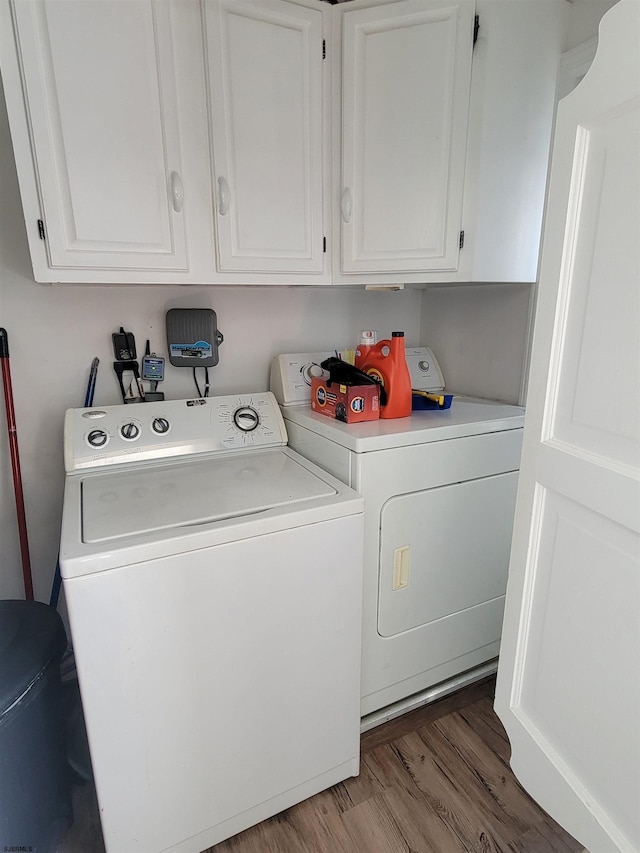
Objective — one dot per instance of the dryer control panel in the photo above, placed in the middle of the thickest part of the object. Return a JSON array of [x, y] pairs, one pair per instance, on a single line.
[[291, 373], [116, 435], [424, 369]]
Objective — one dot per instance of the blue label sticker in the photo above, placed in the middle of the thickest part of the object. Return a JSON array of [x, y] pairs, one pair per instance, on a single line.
[[198, 350]]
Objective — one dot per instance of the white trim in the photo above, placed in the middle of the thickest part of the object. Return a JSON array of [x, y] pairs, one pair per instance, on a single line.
[[574, 64]]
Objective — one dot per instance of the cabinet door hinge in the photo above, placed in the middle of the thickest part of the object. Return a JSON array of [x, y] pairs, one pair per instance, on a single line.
[[324, 244], [324, 48], [476, 27], [461, 239], [41, 229]]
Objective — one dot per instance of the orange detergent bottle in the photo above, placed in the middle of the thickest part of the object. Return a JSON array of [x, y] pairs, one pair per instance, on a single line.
[[386, 361]]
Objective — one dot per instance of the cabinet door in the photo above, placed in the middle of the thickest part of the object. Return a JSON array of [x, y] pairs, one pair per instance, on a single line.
[[405, 87], [98, 82], [265, 87], [511, 114]]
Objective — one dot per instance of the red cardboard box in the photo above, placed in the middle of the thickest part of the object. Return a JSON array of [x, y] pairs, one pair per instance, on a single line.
[[349, 403]]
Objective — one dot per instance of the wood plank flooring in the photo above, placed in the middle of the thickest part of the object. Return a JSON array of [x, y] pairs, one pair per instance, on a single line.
[[436, 780]]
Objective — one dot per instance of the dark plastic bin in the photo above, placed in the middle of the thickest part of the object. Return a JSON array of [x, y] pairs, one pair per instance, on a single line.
[[35, 790]]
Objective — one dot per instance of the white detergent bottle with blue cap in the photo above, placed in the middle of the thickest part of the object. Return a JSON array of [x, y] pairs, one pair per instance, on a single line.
[[367, 339]]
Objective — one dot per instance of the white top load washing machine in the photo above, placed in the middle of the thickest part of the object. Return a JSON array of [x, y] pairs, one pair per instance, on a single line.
[[439, 489], [213, 579]]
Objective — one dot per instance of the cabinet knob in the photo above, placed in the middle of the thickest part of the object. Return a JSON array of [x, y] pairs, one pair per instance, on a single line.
[[346, 204], [224, 196], [177, 192]]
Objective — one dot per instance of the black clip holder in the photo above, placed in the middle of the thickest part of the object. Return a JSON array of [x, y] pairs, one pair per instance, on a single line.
[[122, 367], [346, 374]]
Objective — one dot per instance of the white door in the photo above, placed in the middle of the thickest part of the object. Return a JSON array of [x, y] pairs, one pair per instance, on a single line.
[[265, 75], [406, 72], [568, 687], [99, 85]]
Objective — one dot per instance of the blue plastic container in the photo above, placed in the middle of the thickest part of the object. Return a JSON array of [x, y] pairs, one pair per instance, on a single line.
[[35, 789], [421, 403]]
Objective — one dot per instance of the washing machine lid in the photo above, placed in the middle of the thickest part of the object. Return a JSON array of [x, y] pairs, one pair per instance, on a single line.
[[162, 496], [467, 416]]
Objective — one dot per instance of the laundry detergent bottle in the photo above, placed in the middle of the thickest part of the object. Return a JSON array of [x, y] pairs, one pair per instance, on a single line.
[[386, 361], [367, 339]]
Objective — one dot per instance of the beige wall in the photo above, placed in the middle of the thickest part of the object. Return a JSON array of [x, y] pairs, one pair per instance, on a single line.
[[479, 334]]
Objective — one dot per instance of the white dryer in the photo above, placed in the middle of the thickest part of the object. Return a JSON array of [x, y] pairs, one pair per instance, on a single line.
[[439, 489], [213, 579]]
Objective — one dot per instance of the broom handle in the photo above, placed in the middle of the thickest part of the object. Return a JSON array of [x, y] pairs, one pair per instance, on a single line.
[[15, 465]]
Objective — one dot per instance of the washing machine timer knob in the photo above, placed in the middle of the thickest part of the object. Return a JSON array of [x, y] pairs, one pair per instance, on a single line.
[[246, 418], [97, 438], [160, 426], [130, 430]]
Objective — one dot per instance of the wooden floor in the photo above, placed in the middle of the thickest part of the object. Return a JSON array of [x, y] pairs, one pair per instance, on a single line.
[[436, 780]]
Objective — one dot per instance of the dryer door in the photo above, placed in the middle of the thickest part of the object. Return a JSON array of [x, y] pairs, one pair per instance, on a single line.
[[444, 551]]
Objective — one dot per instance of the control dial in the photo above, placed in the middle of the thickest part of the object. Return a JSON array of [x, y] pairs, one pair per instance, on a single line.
[[311, 371], [130, 430], [246, 418], [160, 426], [97, 438]]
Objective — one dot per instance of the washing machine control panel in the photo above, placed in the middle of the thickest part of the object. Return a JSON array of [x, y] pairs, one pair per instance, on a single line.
[[116, 435]]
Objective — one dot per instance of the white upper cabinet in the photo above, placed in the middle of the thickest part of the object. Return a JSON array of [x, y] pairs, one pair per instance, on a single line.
[[265, 83], [439, 141], [98, 80], [406, 70], [512, 106], [281, 141]]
